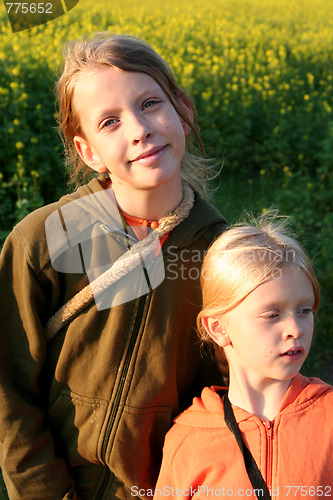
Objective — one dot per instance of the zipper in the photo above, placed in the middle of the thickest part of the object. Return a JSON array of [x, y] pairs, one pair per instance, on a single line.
[[125, 238], [269, 454], [119, 391]]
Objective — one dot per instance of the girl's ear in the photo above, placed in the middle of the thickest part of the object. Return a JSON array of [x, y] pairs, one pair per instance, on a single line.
[[214, 328], [88, 155], [188, 112]]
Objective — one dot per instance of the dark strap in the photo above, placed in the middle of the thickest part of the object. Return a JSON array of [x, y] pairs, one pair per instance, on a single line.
[[252, 469]]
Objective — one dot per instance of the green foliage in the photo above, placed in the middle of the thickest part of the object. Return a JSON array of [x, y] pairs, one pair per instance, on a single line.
[[29, 145]]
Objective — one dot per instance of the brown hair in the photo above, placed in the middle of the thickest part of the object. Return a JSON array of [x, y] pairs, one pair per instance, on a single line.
[[129, 54], [242, 258]]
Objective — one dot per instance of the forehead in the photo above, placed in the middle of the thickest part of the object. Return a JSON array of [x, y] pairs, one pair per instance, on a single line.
[[112, 80], [289, 284]]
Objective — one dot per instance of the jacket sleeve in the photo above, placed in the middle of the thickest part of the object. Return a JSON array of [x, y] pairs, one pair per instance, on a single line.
[[30, 465]]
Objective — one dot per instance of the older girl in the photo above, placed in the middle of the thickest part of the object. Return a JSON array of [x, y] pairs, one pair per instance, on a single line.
[[98, 302]]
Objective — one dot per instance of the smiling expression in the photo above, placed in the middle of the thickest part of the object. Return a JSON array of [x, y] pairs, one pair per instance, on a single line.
[[130, 128], [270, 331]]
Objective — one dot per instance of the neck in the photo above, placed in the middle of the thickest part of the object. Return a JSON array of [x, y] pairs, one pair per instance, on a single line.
[[149, 204], [259, 397]]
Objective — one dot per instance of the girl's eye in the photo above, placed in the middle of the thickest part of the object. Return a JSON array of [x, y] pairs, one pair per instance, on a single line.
[[271, 315], [109, 123], [306, 311], [150, 103]]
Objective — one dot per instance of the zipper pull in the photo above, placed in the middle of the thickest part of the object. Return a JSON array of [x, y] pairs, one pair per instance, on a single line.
[[269, 427]]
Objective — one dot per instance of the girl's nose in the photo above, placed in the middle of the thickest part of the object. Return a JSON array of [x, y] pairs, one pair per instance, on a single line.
[[292, 328], [139, 129]]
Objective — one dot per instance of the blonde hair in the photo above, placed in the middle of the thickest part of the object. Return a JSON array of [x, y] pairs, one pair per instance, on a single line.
[[242, 258], [129, 54]]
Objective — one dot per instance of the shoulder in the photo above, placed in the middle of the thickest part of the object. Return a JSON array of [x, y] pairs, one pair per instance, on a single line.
[[202, 226], [305, 392], [29, 236], [198, 432], [204, 209], [309, 414], [211, 218], [321, 389], [35, 218], [191, 427], [311, 385]]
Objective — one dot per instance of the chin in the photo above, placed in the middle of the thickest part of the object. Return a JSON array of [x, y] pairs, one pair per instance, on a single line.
[[289, 375]]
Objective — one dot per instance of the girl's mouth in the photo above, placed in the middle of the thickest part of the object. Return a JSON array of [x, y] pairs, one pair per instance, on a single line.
[[150, 156], [293, 354]]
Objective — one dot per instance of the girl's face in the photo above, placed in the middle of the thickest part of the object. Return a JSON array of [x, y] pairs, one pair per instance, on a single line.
[[130, 128], [268, 335]]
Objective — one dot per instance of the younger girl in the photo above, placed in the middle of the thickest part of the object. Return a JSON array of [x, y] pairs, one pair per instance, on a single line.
[[100, 290], [260, 295]]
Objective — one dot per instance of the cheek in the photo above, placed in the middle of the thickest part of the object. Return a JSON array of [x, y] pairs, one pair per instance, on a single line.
[[175, 125], [310, 331], [241, 342], [114, 149]]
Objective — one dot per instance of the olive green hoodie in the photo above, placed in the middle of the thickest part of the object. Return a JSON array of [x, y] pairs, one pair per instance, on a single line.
[[85, 414]]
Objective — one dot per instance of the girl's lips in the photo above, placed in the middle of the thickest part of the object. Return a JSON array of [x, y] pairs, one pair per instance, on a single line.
[[293, 354], [150, 156]]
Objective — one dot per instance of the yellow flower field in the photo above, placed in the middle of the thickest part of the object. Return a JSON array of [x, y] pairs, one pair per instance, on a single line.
[[251, 66]]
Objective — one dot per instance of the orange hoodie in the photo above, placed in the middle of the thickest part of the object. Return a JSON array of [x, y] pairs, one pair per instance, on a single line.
[[294, 451]]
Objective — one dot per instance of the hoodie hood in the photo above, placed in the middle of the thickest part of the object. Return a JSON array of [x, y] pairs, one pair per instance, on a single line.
[[207, 411]]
